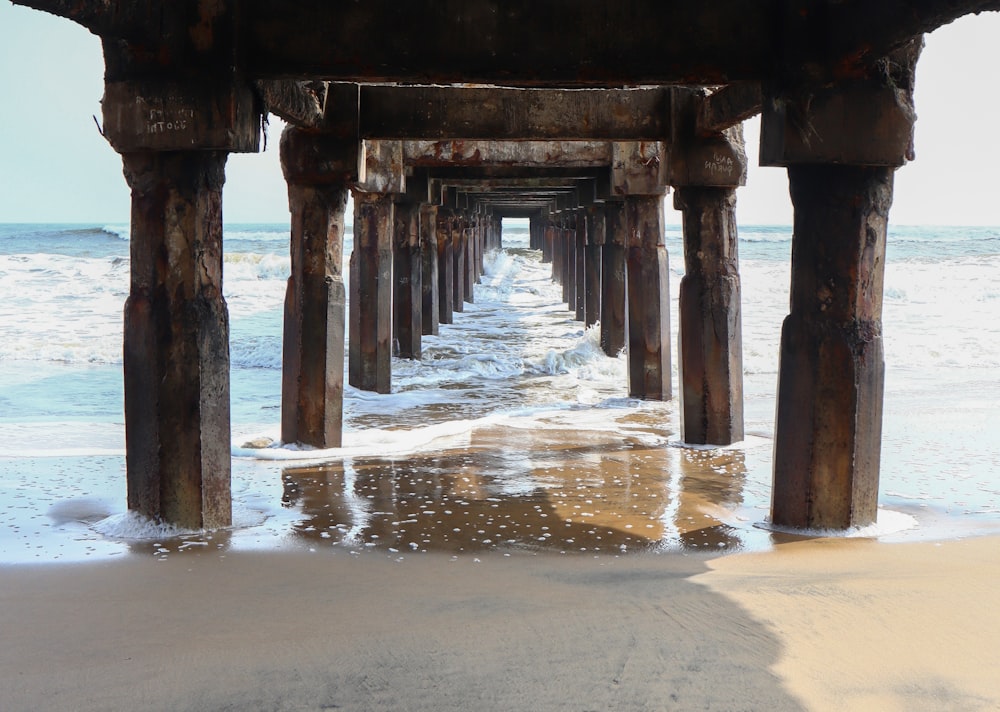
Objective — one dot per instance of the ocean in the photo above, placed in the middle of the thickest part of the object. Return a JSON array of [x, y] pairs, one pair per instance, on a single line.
[[514, 433]]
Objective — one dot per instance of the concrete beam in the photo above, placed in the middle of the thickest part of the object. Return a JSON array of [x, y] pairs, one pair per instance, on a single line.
[[728, 106], [631, 42], [300, 103], [494, 113], [507, 154], [175, 115]]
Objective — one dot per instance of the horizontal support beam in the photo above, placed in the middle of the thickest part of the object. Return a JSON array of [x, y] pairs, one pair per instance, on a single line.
[[507, 154], [558, 43], [573, 43], [441, 113], [293, 101], [727, 107]]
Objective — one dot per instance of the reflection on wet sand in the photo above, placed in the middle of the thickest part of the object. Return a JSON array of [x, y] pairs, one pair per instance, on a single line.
[[525, 490]]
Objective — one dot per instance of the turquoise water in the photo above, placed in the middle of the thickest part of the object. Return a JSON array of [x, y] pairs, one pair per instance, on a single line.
[[516, 361]]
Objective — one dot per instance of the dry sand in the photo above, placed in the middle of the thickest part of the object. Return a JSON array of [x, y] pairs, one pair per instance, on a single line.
[[845, 625]]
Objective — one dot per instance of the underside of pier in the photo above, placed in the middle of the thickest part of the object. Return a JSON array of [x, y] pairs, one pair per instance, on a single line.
[[443, 118]]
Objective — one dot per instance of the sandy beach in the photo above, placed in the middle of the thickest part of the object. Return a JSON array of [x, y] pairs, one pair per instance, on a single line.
[[813, 625]]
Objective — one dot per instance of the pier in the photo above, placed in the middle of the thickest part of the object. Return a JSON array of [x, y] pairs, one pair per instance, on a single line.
[[441, 120]]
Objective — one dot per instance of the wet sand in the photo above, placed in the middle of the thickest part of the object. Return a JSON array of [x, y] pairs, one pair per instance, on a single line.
[[814, 625]]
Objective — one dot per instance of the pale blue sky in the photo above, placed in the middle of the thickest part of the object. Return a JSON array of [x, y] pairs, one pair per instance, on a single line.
[[55, 166]]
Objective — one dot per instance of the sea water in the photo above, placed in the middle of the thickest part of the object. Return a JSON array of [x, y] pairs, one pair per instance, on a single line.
[[513, 431]]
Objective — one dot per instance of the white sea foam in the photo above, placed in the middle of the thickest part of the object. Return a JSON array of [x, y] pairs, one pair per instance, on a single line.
[[374, 443], [887, 522], [134, 526]]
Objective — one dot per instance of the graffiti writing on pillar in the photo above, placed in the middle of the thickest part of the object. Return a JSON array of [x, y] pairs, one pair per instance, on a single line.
[[162, 121], [720, 164]]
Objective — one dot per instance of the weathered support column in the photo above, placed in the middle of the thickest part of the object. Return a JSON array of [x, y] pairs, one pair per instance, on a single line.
[[613, 271], [430, 311], [370, 304], [568, 234], [312, 386], [552, 236], [705, 171], [174, 135], [829, 415], [469, 273], [539, 239], [176, 349], [710, 331], [481, 225], [407, 302], [459, 250], [648, 299], [828, 424], [594, 262], [580, 237], [638, 173], [446, 266]]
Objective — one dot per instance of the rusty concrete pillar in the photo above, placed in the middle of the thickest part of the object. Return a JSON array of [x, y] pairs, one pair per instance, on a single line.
[[446, 266], [430, 311], [312, 385], [613, 272], [710, 330], [568, 234], [370, 304], [176, 345], [552, 236], [459, 250], [840, 149], [469, 273], [539, 239], [482, 224], [648, 299], [829, 415], [407, 302], [580, 237], [594, 262]]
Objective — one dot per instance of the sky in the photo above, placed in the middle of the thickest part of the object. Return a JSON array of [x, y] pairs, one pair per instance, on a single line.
[[56, 167]]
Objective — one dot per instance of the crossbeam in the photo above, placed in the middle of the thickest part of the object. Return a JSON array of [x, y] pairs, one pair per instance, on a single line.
[[559, 43], [440, 113]]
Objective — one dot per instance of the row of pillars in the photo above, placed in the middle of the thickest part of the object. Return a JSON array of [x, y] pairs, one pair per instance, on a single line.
[[613, 267], [829, 405], [176, 357], [413, 266]]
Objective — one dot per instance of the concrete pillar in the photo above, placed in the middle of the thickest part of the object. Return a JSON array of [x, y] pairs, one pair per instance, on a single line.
[[840, 148], [446, 266], [430, 311], [481, 247], [568, 236], [648, 299], [469, 248], [828, 425], [552, 236], [459, 250], [594, 262], [407, 302], [370, 304], [710, 333], [580, 237], [539, 239], [613, 273], [312, 384], [176, 341]]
